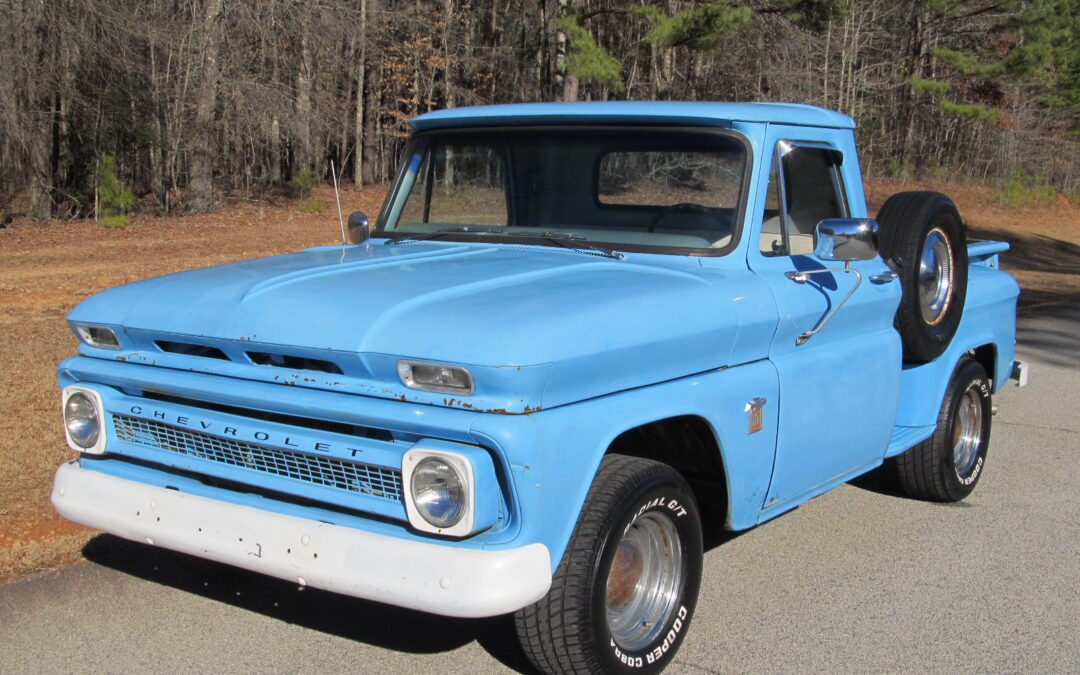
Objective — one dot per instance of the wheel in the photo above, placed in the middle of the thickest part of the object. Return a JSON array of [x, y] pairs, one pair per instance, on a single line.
[[922, 235], [947, 466], [623, 595]]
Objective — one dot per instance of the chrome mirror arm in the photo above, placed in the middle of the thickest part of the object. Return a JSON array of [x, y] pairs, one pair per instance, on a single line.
[[804, 276]]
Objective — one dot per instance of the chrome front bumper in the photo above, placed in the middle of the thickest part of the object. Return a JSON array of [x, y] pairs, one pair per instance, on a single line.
[[429, 577]]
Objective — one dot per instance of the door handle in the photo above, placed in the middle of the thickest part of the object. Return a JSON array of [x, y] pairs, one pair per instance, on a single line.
[[884, 277]]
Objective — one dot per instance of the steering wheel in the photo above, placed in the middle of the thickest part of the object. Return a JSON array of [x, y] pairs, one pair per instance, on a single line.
[[687, 208]]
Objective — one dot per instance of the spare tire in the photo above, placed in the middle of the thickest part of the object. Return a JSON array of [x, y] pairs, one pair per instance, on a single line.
[[922, 237]]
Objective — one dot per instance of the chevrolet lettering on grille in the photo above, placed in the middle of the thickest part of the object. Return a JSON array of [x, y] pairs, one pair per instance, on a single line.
[[240, 432], [332, 472]]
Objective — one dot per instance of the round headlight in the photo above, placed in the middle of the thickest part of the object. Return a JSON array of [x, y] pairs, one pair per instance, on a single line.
[[81, 420], [438, 492]]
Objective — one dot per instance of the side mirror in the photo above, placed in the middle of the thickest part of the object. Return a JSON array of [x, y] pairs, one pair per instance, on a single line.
[[845, 239], [839, 240], [358, 228]]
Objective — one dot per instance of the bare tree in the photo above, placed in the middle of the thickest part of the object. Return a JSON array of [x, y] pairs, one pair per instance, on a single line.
[[201, 166], [194, 98]]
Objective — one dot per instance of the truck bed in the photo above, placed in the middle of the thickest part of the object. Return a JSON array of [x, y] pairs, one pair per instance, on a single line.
[[987, 331]]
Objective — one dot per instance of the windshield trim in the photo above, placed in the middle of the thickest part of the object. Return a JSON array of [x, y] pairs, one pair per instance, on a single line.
[[394, 194]]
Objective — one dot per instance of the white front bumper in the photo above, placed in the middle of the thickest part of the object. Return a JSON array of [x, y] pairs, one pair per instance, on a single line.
[[428, 577]]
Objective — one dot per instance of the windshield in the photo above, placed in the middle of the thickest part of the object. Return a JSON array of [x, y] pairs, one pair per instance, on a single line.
[[617, 188]]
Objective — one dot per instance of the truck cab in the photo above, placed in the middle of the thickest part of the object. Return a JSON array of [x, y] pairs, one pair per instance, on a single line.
[[573, 334]]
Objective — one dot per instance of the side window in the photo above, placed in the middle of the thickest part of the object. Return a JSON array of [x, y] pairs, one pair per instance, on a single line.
[[804, 189], [457, 184]]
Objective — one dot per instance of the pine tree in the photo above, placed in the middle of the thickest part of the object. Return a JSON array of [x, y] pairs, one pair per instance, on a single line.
[[1027, 44]]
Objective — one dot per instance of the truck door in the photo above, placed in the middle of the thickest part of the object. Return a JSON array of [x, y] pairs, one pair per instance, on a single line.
[[838, 390]]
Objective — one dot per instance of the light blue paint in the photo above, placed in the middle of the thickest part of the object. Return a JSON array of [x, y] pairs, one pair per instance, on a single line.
[[844, 383], [568, 351], [692, 113]]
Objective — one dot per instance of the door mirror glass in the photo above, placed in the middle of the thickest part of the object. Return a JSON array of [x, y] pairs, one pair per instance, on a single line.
[[846, 239], [358, 227]]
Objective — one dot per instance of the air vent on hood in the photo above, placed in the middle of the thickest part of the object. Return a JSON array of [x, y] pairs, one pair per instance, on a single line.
[[190, 349], [293, 362]]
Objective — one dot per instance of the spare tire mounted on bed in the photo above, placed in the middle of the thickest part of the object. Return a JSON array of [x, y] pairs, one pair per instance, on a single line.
[[922, 237]]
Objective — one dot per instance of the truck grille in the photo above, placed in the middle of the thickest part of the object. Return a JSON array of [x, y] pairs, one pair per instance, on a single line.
[[327, 471]]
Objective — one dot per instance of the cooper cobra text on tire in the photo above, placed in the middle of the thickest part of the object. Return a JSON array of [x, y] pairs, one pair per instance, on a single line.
[[947, 466], [623, 595], [922, 236]]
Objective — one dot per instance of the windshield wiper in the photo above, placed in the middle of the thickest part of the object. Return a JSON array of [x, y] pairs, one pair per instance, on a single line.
[[443, 232], [570, 241]]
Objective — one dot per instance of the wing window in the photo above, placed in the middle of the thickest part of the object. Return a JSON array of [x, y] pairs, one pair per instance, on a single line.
[[805, 188]]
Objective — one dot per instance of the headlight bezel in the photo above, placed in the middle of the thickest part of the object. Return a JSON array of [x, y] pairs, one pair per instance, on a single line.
[[410, 462], [86, 333], [408, 371], [98, 446], [476, 466]]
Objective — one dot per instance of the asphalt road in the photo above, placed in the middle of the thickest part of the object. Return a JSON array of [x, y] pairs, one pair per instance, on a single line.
[[857, 580]]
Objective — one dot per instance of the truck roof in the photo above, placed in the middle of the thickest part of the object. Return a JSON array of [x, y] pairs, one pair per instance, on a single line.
[[631, 112]]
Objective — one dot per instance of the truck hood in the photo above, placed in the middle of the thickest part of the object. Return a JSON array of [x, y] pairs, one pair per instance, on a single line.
[[538, 326]]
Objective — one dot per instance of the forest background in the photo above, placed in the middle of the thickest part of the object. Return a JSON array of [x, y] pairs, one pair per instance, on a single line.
[[110, 107]]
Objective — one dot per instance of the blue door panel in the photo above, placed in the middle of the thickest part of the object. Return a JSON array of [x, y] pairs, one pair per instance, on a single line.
[[839, 391]]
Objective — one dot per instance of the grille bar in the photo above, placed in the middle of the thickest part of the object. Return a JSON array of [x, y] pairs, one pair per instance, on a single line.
[[326, 471]]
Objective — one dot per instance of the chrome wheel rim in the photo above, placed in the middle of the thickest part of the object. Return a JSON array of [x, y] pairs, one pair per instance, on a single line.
[[967, 432], [935, 276], [644, 581]]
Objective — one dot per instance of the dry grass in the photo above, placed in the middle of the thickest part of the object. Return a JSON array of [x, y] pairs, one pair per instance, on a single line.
[[1045, 253], [46, 269]]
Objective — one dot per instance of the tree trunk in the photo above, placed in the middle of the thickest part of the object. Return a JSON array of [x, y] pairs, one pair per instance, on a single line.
[[200, 196], [346, 120], [372, 80], [908, 155], [371, 120], [358, 175], [560, 53], [304, 84], [40, 176], [38, 132], [275, 137]]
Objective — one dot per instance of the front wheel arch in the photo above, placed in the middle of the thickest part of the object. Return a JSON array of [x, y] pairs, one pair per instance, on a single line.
[[690, 445], [571, 629]]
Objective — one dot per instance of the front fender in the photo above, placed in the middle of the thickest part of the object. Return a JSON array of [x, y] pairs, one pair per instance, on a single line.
[[554, 455]]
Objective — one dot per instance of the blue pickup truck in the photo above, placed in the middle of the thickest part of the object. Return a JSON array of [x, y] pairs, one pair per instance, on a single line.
[[574, 333]]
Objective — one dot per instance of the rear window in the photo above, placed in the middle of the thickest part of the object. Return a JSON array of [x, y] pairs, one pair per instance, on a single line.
[[666, 178]]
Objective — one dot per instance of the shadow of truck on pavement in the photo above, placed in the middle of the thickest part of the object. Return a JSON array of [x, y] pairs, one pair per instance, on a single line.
[[383, 626]]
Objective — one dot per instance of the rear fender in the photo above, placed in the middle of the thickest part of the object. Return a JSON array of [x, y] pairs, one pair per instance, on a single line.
[[989, 319]]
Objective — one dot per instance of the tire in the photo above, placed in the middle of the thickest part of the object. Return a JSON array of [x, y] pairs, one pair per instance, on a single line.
[[947, 466], [569, 631], [929, 312]]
